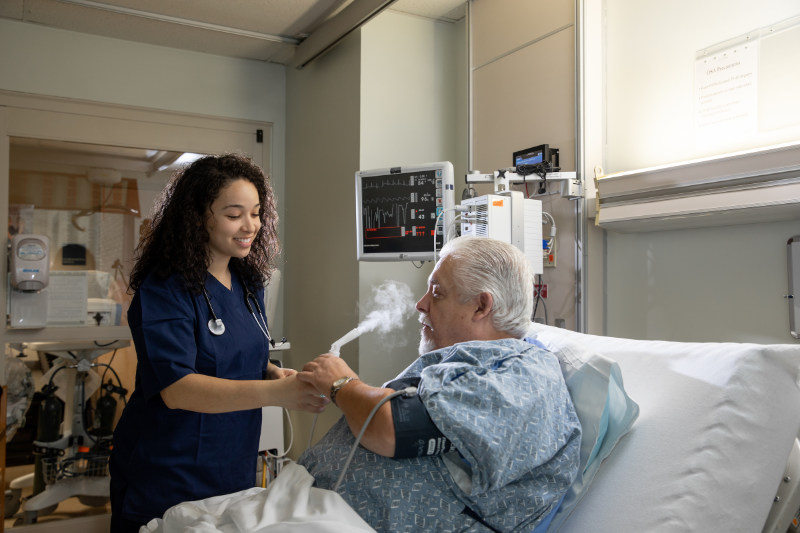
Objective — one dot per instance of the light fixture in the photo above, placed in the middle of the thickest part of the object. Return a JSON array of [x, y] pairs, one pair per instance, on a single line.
[[104, 176]]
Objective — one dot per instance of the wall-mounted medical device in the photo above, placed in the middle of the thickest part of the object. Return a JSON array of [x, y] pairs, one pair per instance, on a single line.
[[538, 155], [29, 262], [403, 212], [28, 276], [505, 177], [793, 256], [509, 217]]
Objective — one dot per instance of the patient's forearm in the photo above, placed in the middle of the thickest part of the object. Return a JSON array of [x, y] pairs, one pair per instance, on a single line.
[[356, 400]]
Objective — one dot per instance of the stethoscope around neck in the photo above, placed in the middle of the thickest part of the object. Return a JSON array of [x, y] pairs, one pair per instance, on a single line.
[[217, 327]]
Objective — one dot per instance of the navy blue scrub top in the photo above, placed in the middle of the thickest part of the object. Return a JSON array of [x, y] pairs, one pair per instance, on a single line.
[[164, 456]]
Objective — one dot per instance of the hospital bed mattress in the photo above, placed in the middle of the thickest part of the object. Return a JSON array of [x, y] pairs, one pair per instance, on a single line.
[[717, 422]]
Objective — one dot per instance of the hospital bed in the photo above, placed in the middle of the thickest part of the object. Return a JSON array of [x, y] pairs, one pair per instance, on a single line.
[[710, 447], [678, 437]]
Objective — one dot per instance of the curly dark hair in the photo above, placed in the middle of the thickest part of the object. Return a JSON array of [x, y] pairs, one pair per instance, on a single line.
[[177, 240]]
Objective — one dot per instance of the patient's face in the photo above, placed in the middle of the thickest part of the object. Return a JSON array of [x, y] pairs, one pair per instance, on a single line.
[[445, 320]]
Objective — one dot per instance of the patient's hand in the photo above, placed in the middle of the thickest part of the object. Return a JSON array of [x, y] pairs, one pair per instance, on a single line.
[[356, 402], [323, 371]]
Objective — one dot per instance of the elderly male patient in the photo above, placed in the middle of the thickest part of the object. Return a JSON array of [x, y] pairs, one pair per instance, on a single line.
[[490, 441]]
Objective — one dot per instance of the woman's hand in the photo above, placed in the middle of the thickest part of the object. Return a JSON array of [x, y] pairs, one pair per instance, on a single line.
[[276, 372], [298, 395]]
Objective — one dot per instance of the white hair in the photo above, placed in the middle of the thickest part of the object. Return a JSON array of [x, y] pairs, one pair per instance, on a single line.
[[481, 264]]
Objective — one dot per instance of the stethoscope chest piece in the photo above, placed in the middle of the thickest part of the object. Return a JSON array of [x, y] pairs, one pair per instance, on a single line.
[[216, 327]]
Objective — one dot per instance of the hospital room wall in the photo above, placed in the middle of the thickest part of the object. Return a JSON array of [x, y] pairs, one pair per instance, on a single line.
[[39, 60], [321, 275], [710, 284], [523, 70], [714, 283]]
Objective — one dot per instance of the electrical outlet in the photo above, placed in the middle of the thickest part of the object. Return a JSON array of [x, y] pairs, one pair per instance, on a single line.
[[549, 260], [540, 289]]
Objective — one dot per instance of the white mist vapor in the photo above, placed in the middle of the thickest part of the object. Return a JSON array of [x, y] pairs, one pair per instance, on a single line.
[[392, 303]]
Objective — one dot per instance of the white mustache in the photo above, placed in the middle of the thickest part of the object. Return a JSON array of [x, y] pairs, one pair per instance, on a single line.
[[424, 321]]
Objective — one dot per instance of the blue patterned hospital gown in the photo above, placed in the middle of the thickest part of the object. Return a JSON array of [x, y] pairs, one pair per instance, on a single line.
[[506, 409]]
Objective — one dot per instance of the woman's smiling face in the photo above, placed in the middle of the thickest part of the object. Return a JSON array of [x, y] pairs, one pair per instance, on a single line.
[[233, 221]]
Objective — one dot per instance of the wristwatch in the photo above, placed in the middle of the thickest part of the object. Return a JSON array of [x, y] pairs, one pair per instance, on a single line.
[[338, 384]]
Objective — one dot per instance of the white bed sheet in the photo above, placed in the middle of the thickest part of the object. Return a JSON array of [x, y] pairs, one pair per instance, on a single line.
[[289, 505], [717, 422]]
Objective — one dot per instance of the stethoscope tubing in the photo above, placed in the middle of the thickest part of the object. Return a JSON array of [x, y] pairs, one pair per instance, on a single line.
[[217, 327], [262, 324]]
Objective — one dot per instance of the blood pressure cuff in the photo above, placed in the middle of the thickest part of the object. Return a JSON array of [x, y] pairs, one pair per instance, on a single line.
[[415, 434]]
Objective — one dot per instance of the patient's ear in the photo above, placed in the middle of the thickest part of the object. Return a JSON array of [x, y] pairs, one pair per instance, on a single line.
[[484, 303]]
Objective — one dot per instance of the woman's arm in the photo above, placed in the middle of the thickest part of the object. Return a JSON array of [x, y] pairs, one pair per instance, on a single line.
[[207, 394]]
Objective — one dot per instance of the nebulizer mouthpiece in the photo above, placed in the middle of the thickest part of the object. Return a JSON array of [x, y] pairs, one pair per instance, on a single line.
[[335, 347], [347, 337]]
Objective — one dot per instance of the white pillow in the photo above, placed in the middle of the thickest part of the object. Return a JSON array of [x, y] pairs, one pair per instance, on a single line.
[[605, 410]]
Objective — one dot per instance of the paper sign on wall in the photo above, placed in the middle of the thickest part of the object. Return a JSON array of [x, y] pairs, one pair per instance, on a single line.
[[726, 93]]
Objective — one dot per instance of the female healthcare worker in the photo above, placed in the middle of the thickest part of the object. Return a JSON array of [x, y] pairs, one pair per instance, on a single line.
[[192, 425]]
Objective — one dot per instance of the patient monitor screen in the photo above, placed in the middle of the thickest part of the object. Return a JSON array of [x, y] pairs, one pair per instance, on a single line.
[[398, 210]]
